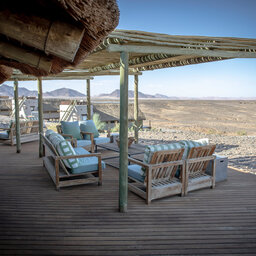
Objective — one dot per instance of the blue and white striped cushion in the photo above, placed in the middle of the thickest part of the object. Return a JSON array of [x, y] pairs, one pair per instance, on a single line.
[[188, 144], [55, 139], [150, 150], [49, 132], [64, 148]]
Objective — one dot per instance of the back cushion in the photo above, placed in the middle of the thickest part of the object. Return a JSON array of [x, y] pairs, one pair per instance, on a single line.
[[71, 128], [150, 150], [188, 144], [48, 133], [55, 139], [89, 126], [64, 148]]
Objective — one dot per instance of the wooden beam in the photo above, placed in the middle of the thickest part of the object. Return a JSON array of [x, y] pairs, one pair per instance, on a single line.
[[136, 109], [53, 37], [28, 57], [123, 158], [180, 51], [17, 116], [88, 89], [40, 114], [71, 75]]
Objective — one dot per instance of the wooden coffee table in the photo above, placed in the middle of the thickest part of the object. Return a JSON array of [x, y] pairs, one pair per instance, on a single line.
[[133, 150]]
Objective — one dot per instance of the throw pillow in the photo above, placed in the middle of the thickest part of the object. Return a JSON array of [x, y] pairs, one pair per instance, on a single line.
[[71, 128], [64, 148], [89, 126]]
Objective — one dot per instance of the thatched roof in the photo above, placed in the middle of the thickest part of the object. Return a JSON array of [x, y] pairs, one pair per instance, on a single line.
[[111, 111], [44, 37]]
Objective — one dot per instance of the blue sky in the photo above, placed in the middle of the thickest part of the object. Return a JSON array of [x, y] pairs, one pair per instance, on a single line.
[[231, 18]]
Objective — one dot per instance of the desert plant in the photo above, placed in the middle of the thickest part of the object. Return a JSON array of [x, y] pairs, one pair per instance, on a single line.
[[96, 119], [241, 133], [116, 128]]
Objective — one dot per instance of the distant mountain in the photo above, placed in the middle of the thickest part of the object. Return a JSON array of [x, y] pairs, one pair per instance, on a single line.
[[63, 92], [6, 90], [116, 94]]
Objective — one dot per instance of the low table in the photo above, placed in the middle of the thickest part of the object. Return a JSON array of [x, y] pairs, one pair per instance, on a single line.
[[133, 150]]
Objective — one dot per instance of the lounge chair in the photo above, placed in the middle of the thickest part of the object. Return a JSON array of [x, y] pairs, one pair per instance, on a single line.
[[196, 163], [76, 135], [28, 132], [157, 179], [85, 167]]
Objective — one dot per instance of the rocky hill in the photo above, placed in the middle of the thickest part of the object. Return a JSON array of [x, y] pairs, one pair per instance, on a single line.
[[6, 90], [116, 94]]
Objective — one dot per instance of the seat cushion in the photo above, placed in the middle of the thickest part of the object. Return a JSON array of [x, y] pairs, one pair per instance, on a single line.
[[150, 150], [136, 172], [89, 126], [4, 135], [83, 143], [86, 164], [64, 148], [101, 140], [188, 144], [71, 128]]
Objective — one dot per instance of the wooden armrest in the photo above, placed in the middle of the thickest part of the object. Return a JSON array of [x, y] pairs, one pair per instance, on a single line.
[[78, 156], [67, 135], [138, 162], [200, 159], [73, 142], [5, 129]]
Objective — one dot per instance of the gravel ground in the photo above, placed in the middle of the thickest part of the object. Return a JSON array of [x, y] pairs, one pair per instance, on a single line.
[[240, 150]]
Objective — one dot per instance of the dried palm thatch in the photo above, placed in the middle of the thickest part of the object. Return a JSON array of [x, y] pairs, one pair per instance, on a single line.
[[35, 35]]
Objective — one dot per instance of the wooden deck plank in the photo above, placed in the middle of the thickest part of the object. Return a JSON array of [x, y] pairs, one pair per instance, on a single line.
[[35, 219]]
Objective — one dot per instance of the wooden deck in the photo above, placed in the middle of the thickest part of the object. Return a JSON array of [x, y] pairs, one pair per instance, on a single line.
[[35, 219]]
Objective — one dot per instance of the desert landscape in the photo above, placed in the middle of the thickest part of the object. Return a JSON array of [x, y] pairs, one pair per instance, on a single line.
[[229, 124]]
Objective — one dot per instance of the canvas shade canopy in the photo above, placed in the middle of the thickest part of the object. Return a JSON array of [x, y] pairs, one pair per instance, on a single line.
[[136, 51]]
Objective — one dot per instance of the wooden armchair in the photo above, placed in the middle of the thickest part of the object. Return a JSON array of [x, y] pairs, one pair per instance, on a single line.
[[76, 143], [158, 180], [28, 132], [196, 164]]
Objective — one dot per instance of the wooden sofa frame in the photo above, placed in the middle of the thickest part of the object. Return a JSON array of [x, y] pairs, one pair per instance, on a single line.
[[58, 172], [28, 132], [160, 180]]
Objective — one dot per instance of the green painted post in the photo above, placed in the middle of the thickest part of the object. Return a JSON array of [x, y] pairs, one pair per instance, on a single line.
[[17, 116], [136, 109], [40, 114], [123, 158], [88, 99]]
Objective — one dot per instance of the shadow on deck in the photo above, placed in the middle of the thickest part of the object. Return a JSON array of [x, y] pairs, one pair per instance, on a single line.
[[35, 219]]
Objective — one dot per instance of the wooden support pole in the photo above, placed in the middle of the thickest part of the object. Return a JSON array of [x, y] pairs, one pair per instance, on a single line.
[[136, 109], [17, 116], [40, 114], [123, 158], [88, 99]]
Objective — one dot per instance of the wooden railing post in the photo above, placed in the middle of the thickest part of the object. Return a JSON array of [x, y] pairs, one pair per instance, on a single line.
[[123, 158], [40, 114], [88, 99], [136, 109], [17, 116]]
